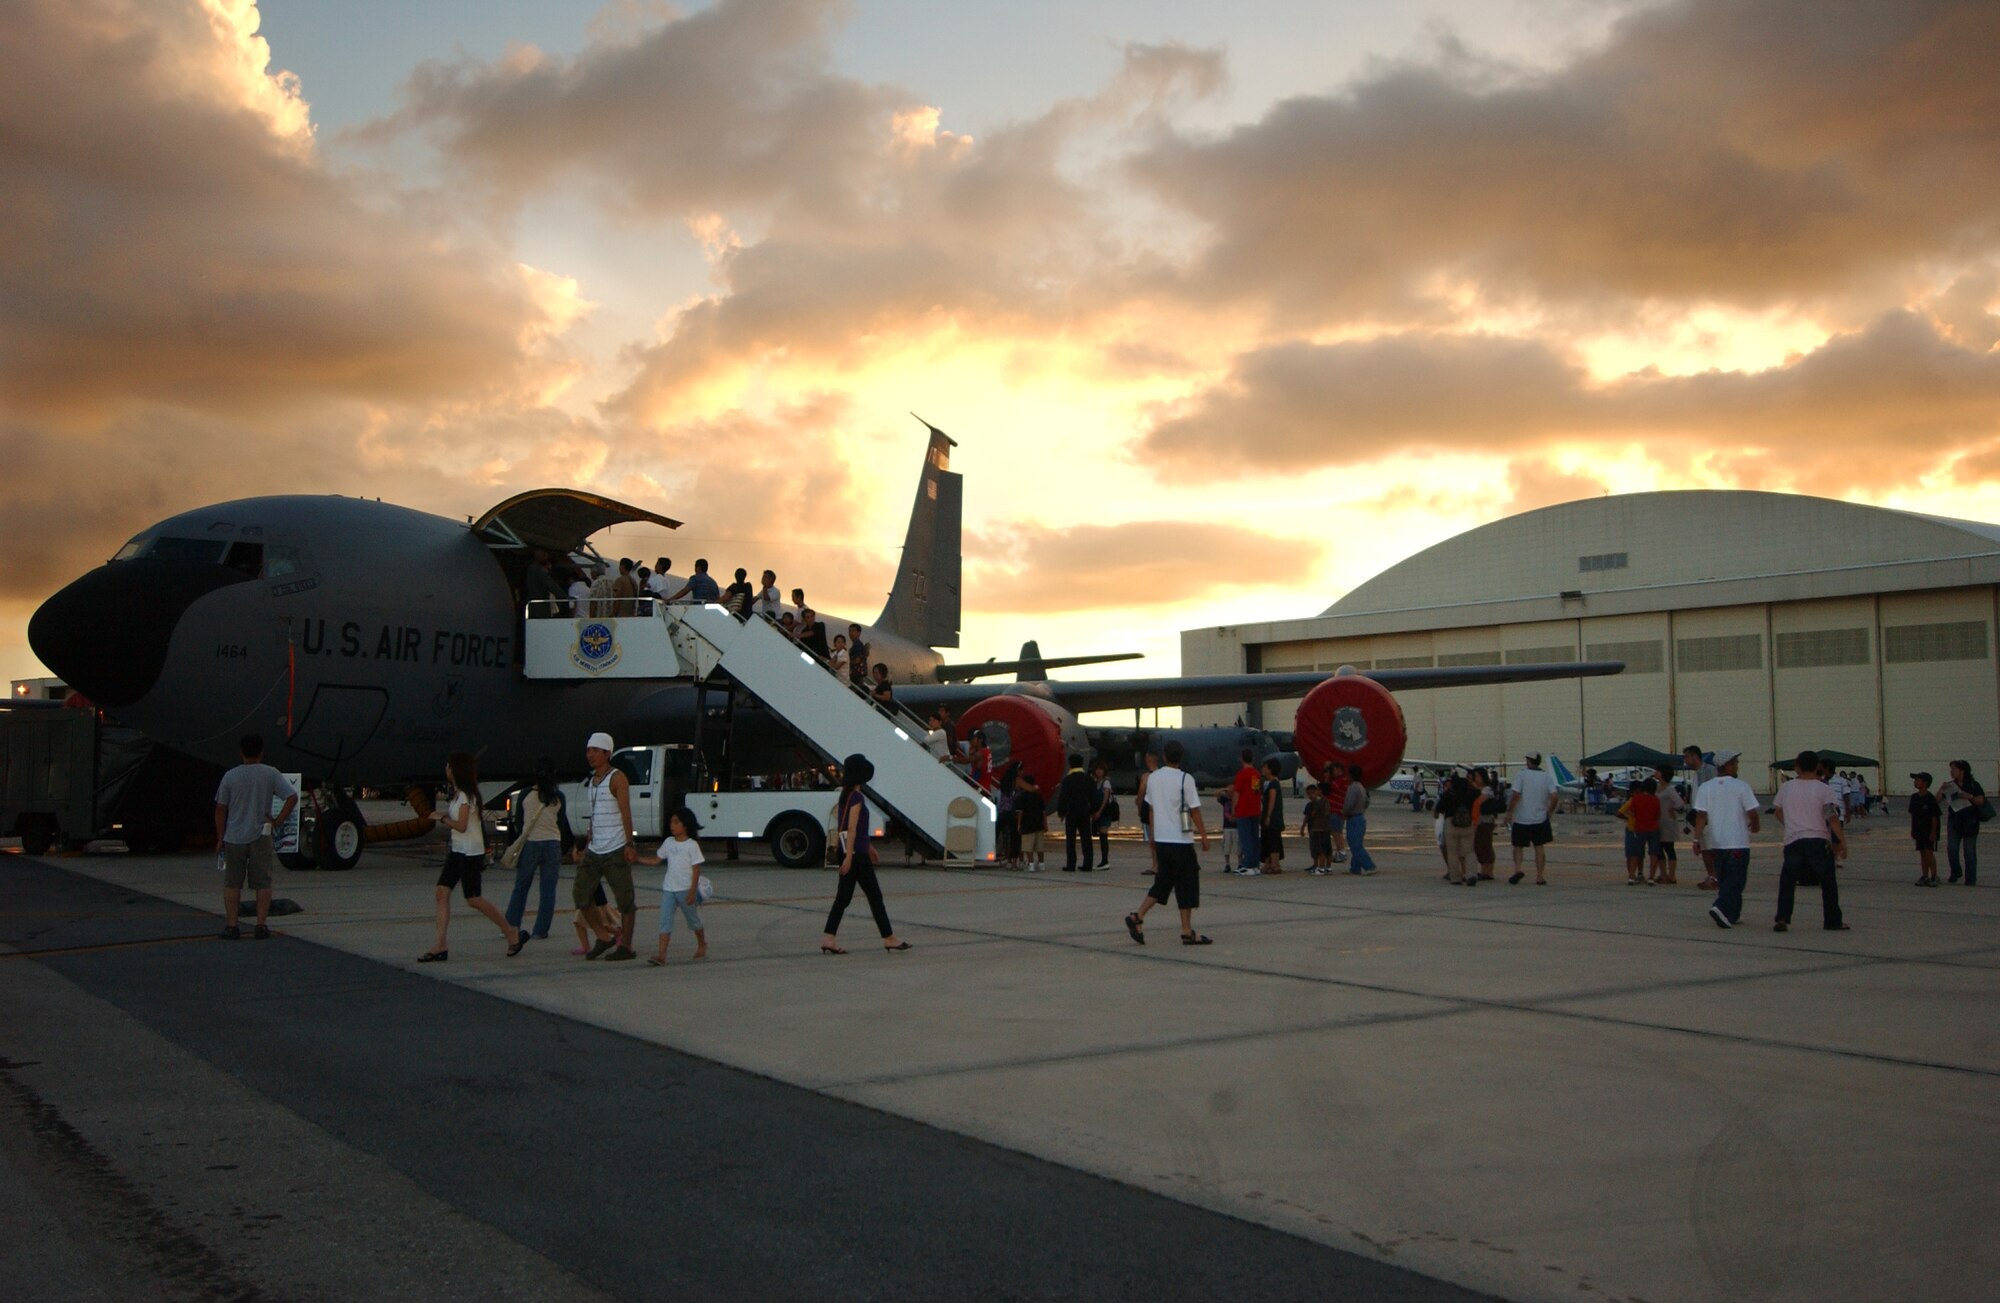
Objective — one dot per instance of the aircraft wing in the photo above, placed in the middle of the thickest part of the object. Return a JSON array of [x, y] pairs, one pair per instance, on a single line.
[[1084, 696]]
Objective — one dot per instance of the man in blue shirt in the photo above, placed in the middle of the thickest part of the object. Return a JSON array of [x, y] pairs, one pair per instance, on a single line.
[[700, 587]]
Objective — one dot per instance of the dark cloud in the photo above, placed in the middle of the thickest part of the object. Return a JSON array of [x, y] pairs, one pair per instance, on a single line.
[[1821, 422], [1710, 151], [1039, 569], [167, 231], [729, 105]]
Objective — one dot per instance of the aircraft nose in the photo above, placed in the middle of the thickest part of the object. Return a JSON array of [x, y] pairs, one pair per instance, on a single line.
[[106, 635]]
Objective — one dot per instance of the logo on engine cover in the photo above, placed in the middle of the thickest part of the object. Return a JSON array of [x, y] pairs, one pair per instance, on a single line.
[[1350, 729], [596, 646]]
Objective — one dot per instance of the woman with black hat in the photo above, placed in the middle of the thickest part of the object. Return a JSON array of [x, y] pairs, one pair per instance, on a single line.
[[857, 858]]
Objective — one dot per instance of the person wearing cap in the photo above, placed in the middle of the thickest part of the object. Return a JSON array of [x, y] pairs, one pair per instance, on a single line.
[[1809, 810], [1926, 821], [1725, 815], [1528, 810], [1691, 758], [857, 858], [610, 852]]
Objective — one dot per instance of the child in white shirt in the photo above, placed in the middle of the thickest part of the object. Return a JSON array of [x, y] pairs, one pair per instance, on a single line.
[[680, 888]]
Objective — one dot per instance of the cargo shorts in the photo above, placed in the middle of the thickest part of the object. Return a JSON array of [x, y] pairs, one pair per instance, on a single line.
[[254, 860], [609, 868]]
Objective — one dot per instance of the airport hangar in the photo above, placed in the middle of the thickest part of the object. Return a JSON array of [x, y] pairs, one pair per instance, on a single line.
[[1766, 622]]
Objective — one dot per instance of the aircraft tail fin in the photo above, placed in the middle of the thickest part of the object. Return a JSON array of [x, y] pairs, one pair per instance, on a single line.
[[1563, 775], [1033, 668], [923, 604]]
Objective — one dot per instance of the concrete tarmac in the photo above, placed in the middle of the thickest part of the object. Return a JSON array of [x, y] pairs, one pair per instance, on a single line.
[[1584, 1088]]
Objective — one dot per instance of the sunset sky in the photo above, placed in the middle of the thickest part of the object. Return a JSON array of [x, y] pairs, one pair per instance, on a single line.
[[1228, 306]]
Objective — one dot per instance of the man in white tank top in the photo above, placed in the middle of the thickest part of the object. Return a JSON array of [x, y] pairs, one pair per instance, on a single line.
[[609, 853]]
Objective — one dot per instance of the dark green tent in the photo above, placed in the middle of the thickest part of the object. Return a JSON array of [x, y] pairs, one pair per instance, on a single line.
[[1838, 759], [1628, 754]]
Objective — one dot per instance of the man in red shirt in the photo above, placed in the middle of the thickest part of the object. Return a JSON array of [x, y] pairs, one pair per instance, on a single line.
[[1641, 812], [1247, 814]]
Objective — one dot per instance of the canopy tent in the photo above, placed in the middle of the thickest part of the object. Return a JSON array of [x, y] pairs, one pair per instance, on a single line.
[[1629, 754], [1838, 759]]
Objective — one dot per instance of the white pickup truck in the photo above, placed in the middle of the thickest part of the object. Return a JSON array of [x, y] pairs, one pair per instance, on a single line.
[[795, 823]]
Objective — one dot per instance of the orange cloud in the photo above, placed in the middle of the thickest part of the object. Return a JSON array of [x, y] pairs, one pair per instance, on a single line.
[[1808, 424], [1143, 563]]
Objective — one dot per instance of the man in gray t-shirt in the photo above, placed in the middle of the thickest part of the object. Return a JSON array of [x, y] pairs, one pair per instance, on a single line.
[[243, 821]]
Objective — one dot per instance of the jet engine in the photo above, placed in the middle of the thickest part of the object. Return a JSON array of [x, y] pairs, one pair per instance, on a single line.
[[1351, 720], [1039, 734]]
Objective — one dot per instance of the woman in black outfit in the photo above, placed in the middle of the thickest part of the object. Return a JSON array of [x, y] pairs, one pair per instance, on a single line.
[[857, 858]]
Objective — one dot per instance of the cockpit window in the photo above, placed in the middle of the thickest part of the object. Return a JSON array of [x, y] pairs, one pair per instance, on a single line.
[[248, 558], [282, 560], [186, 549], [129, 551]]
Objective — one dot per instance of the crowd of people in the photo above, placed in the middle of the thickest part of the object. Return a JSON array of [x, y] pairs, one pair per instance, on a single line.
[[1719, 822]]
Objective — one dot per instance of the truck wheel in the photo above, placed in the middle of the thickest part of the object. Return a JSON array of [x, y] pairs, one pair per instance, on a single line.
[[38, 837], [340, 836], [797, 840]]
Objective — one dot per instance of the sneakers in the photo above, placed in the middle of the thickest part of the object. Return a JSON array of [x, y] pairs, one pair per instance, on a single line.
[[1250, 873], [232, 933], [1514, 880], [620, 953], [1340, 857], [1780, 925], [598, 950], [262, 932], [1721, 919]]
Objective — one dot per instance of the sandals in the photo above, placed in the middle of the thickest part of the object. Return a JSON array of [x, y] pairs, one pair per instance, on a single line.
[[654, 961], [1196, 939], [434, 956], [900, 945], [519, 945], [826, 949], [1133, 926]]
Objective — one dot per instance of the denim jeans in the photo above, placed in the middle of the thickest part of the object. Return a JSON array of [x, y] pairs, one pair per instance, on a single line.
[[536, 857], [1814, 851], [1358, 858], [1961, 850], [1732, 872], [1249, 853]]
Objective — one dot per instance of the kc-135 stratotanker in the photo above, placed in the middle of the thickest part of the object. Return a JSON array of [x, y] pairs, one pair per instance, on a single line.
[[364, 640]]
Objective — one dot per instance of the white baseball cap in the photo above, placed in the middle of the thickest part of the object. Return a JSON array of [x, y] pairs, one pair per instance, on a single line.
[[599, 742], [1723, 757]]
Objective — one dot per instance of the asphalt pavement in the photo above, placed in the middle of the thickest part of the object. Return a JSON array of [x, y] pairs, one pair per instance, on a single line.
[[194, 1118]]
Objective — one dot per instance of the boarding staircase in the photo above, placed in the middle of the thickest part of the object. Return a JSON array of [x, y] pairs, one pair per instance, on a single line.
[[936, 800], [661, 640]]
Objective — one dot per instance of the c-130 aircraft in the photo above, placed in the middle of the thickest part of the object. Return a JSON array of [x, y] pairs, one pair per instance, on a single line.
[[364, 640]]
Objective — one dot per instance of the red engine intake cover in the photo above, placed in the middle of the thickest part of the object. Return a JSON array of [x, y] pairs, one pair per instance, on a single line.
[[1351, 720], [1039, 734]]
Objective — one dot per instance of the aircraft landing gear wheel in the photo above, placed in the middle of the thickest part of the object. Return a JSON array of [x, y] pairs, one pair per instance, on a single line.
[[38, 838], [797, 840], [340, 838]]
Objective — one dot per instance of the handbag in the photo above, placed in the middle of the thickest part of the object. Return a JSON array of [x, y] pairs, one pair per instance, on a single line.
[[704, 889]]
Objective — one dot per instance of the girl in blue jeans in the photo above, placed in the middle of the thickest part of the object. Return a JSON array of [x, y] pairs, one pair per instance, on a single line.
[[544, 838]]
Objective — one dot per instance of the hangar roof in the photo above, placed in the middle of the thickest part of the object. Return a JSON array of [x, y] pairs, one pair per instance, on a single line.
[[1653, 540], [1659, 551]]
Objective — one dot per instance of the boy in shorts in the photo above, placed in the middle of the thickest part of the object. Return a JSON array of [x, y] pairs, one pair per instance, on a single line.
[[1926, 822], [1317, 830], [1031, 817]]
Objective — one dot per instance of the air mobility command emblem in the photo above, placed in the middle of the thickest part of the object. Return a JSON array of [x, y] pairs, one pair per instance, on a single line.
[[1350, 729], [596, 647]]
